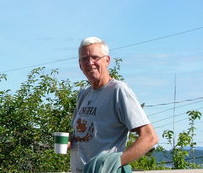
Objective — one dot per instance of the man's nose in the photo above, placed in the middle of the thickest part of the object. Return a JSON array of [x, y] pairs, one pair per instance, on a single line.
[[90, 61]]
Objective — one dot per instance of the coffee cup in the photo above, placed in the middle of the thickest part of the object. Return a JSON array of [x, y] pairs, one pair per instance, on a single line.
[[61, 142]]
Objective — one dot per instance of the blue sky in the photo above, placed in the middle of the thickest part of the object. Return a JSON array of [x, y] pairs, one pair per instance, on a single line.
[[39, 32]]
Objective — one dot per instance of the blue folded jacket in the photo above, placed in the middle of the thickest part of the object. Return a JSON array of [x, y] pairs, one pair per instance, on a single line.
[[107, 163]]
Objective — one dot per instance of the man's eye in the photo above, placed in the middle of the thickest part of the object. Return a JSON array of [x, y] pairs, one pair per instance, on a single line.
[[84, 58], [95, 57]]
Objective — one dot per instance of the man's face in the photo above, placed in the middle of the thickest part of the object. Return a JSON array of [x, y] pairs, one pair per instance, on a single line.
[[93, 63]]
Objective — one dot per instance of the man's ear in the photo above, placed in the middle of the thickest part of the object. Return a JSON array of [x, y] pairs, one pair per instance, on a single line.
[[79, 65], [108, 59]]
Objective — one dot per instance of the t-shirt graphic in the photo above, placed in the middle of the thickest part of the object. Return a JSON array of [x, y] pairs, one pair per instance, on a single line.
[[84, 128]]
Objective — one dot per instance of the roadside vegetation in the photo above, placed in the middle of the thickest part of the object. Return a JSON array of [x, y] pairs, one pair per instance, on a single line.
[[43, 105]]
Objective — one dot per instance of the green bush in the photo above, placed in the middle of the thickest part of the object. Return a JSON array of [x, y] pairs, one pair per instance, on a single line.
[[44, 105], [28, 119]]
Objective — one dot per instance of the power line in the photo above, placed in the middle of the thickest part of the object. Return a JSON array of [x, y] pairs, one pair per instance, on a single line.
[[174, 122], [134, 44], [159, 38], [37, 65], [172, 116], [201, 142], [164, 104], [176, 107], [170, 123]]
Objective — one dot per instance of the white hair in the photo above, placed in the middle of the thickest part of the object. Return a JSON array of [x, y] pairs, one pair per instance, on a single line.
[[94, 40]]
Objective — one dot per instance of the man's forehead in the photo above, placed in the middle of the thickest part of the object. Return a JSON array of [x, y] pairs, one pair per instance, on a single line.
[[93, 48], [92, 45]]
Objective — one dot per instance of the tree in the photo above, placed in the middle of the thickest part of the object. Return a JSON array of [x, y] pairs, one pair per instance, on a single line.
[[28, 119], [30, 116], [185, 139], [43, 105]]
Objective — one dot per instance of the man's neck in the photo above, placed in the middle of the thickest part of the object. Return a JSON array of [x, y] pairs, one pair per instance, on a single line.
[[100, 83]]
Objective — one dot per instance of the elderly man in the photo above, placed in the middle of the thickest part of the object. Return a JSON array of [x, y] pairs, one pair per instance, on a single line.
[[106, 112]]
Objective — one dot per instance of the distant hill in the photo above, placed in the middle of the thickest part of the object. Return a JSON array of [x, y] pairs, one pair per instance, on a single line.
[[166, 156], [196, 148]]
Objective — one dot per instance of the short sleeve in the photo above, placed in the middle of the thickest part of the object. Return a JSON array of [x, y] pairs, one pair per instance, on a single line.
[[129, 109]]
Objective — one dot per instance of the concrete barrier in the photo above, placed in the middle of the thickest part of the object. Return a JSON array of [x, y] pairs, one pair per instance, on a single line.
[[172, 171], [166, 171]]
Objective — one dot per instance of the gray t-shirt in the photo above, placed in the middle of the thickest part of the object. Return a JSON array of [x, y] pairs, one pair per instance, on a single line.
[[102, 121]]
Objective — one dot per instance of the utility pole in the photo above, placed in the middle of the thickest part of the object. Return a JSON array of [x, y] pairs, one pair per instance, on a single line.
[[174, 110]]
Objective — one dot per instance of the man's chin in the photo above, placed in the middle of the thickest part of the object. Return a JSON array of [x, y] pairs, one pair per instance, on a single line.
[[92, 78]]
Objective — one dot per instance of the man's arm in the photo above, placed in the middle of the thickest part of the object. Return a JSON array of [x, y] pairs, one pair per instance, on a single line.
[[146, 140]]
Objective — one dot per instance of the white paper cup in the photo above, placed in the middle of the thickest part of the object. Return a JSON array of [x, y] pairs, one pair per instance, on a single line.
[[61, 142]]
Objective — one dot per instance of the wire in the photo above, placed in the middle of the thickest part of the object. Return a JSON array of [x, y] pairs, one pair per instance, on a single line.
[[176, 107], [163, 104], [159, 38], [201, 142], [36, 65], [134, 44], [173, 116], [172, 122]]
